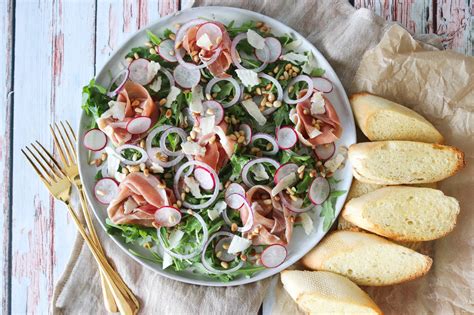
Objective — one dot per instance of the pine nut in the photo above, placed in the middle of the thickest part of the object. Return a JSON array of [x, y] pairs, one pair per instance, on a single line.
[[162, 101], [271, 97], [172, 36]]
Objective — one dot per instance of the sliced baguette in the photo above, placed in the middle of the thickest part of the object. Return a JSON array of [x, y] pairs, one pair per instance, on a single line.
[[404, 162], [366, 259], [404, 213], [321, 292], [381, 119]]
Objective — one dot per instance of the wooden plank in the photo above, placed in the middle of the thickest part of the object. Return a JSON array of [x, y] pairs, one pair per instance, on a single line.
[[6, 47], [53, 59], [454, 23]]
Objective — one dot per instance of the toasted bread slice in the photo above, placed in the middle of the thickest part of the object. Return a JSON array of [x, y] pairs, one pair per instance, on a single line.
[[321, 292], [404, 162], [366, 259], [381, 119], [404, 213]]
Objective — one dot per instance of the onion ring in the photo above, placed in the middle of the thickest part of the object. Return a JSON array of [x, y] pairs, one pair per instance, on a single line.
[[309, 89]]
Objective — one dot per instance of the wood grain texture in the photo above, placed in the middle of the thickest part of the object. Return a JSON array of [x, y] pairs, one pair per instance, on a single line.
[[454, 23]]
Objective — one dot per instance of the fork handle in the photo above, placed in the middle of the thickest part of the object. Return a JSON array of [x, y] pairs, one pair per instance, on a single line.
[[124, 304]]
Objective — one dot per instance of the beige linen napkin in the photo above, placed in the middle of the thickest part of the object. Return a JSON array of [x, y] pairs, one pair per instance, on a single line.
[[342, 34]]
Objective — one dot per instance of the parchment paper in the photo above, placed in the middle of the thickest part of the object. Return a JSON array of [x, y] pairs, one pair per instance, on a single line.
[[440, 86]]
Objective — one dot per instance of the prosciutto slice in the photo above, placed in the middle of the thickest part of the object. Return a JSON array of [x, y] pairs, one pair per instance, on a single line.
[[272, 222], [218, 152], [138, 199], [219, 67], [329, 126], [134, 96]]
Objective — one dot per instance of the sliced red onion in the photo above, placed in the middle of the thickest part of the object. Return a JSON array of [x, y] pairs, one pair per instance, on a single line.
[[149, 140], [285, 170], [234, 82], [236, 58], [184, 28], [225, 256], [245, 205], [169, 76], [168, 163], [274, 47], [322, 84], [177, 191], [166, 50], [205, 62], [245, 170], [294, 206], [319, 190], [144, 155], [198, 250], [268, 138], [309, 89], [206, 264], [120, 80], [180, 132], [247, 132], [213, 31], [277, 84]]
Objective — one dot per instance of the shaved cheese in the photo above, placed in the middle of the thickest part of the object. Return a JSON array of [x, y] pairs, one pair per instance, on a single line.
[[249, 78], [259, 171], [193, 186], [253, 110], [116, 110], [204, 42], [255, 40], [217, 210], [175, 238], [167, 260], [310, 65], [152, 70], [156, 85], [284, 183], [113, 163], [193, 148], [207, 124], [172, 95], [238, 244], [307, 223], [294, 58], [156, 168], [333, 164], [228, 148], [129, 205], [196, 99], [119, 177], [293, 45], [318, 104], [314, 132]]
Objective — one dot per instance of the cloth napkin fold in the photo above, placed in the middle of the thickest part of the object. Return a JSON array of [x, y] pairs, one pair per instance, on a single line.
[[343, 35]]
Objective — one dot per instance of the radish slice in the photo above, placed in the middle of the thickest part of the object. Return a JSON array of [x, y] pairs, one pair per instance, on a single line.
[[208, 266], [139, 125], [221, 253], [325, 151], [120, 80], [166, 50], [245, 170], [237, 90], [204, 178], [319, 190], [235, 188], [309, 89], [213, 32], [214, 108], [322, 84], [235, 200], [186, 77], [139, 71], [286, 137], [275, 48], [95, 139], [247, 132], [274, 255], [285, 170], [167, 216], [105, 190], [268, 138]]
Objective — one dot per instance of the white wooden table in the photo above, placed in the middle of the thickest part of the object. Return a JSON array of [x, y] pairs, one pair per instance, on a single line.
[[48, 51]]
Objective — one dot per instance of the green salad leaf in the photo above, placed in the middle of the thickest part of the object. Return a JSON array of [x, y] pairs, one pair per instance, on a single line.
[[94, 100]]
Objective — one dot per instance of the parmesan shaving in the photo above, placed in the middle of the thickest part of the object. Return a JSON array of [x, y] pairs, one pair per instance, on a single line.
[[253, 110], [255, 40], [172, 95], [249, 78]]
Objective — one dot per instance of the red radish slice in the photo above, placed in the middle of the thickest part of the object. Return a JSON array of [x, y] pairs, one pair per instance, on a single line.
[[139, 71], [274, 46], [285, 170], [286, 137], [322, 84], [139, 125], [319, 190], [247, 132], [186, 77], [166, 50], [325, 151], [235, 200], [235, 188], [214, 108], [274, 255], [214, 33], [105, 190], [95, 140], [167, 216], [224, 254], [204, 178]]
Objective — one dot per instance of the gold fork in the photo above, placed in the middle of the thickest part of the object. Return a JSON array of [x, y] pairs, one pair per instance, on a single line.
[[59, 186], [64, 140]]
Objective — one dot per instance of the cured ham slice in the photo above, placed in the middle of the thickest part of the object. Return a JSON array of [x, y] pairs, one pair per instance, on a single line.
[[138, 199], [326, 127], [219, 151], [272, 222], [138, 103]]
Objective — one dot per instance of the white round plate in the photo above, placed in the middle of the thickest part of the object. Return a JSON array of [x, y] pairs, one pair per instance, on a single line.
[[301, 243]]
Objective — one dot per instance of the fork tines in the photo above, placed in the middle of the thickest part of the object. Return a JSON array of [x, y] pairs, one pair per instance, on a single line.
[[43, 163], [66, 148]]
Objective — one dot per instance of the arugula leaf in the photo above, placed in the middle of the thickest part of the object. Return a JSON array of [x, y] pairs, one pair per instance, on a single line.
[[238, 163], [131, 154], [282, 116], [153, 38], [131, 232], [167, 32], [288, 155], [317, 72], [94, 100], [285, 39], [303, 185], [98, 175]]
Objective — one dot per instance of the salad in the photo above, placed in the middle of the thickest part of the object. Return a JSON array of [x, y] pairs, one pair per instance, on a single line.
[[212, 144]]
